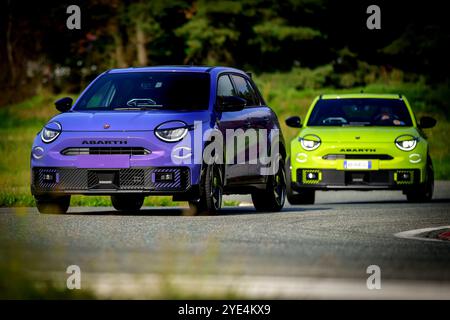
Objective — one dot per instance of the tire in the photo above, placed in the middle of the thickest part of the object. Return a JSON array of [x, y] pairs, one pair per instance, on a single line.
[[272, 199], [127, 203], [424, 193], [50, 205], [306, 196], [211, 191]]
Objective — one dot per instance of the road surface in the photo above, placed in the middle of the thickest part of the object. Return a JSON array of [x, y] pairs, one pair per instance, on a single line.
[[317, 251]]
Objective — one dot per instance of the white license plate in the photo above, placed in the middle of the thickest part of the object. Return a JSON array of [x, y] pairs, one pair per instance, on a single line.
[[357, 164]]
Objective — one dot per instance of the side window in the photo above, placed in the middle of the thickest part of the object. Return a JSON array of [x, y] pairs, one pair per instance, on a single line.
[[254, 93], [225, 87], [245, 90]]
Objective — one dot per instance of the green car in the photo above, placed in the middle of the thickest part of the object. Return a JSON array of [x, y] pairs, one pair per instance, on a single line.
[[360, 142]]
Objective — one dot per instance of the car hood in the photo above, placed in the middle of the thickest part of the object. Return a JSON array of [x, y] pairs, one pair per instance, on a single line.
[[125, 120], [360, 134]]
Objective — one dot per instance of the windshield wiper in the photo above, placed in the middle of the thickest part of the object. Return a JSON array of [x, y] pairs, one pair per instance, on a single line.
[[150, 106], [146, 107], [357, 124]]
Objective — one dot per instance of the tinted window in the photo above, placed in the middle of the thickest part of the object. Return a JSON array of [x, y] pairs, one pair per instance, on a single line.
[[103, 96], [225, 87], [254, 94], [245, 90], [141, 90], [362, 112]]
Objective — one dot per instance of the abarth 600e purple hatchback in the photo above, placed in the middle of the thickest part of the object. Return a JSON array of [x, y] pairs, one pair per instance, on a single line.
[[166, 130]]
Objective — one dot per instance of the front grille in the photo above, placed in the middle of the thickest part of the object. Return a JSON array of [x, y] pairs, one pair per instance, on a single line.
[[121, 179], [132, 151], [133, 178], [66, 179], [331, 177], [357, 156]]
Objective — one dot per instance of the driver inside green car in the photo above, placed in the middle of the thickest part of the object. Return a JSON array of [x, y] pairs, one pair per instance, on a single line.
[[386, 116]]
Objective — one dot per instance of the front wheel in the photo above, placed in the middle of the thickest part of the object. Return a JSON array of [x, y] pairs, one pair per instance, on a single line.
[[211, 191], [302, 197], [273, 197], [127, 203], [424, 193], [305, 196], [53, 205]]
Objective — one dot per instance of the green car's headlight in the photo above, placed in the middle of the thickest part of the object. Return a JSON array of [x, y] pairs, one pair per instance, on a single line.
[[406, 142], [50, 132], [310, 142]]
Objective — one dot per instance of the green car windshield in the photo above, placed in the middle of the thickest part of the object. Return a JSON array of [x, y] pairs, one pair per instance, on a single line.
[[360, 112]]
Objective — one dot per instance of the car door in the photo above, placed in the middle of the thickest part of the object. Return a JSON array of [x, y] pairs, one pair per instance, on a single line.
[[258, 117], [229, 121]]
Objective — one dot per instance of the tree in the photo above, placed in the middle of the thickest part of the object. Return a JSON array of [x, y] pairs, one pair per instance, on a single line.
[[211, 33]]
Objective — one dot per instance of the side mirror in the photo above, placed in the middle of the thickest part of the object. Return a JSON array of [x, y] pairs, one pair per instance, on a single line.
[[427, 122], [230, 103], [294, 122], [64, 104]]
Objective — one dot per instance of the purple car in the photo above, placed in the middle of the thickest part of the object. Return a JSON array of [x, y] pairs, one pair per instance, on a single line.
[[183, 131]]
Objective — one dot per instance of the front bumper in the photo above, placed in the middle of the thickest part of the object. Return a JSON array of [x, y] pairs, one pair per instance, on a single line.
[[95, 181], [329, 179], [79, 172]]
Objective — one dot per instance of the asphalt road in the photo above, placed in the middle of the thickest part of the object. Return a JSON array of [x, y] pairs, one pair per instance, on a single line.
[[317, 251]]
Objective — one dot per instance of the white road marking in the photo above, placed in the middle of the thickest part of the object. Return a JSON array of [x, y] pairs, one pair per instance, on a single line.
[[413, 234]]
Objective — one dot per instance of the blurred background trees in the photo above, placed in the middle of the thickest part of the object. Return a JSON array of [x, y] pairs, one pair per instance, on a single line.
[[328, 39]]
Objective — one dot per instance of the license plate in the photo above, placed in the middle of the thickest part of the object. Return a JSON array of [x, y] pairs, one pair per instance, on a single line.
[[357, 164]]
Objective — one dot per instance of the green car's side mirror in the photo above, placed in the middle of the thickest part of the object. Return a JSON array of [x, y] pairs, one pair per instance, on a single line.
[[427, 122], [294, 122]]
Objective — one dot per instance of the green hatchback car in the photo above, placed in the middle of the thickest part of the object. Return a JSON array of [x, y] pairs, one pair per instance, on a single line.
[[360, 142]]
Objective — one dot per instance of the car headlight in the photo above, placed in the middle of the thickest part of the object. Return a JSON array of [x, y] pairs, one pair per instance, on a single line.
[[406, 142], [310, 142], [172, 131], [50, 132]]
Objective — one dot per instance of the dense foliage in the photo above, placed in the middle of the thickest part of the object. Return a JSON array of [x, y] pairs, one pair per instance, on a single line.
[[37, 50]]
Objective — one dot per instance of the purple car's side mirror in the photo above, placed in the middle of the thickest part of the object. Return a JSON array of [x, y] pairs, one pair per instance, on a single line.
[[64, 104], [230, 103]]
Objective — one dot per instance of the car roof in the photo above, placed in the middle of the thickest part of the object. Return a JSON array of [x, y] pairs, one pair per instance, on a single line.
[[361, 96], [176, 68]]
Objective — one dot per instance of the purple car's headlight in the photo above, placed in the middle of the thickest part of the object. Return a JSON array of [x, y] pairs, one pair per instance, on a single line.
[[50, 132], [172, 131]]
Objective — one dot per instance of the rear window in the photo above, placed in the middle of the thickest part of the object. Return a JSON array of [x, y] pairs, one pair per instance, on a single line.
[[360, 112], [147, 90]]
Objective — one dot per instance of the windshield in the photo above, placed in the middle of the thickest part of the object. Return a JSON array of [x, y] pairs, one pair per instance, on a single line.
[[360, 112], [147, 90]]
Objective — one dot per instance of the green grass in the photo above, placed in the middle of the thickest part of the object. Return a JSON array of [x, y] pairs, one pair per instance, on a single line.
[[288, 94]]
